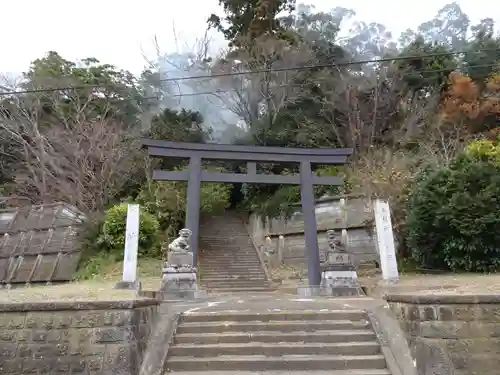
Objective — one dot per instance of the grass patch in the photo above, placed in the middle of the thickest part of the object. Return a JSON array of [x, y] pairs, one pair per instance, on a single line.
[[107, 267]]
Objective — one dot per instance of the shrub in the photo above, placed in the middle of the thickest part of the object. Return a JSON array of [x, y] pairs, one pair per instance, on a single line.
[[484, 150], [454, 216], [112, 237], [166, 200]]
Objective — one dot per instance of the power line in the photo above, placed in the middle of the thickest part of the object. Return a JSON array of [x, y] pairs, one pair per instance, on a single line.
[[259, 71], [414, 72]]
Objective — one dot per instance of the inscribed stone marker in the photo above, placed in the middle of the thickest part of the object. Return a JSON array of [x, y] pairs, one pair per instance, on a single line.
[[131, 244], [385, 241]]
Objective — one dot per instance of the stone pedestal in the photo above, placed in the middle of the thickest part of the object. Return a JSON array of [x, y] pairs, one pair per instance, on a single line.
[[180, 258], [339, 277], [179, 281], [179, 275]]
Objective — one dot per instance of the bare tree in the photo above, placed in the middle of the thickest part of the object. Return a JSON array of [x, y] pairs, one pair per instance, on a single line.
[[82, 159], [270, 87], [360, 106]]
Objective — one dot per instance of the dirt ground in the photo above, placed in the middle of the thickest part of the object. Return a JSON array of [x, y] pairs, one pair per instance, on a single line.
[[425, 284], [102, 289], [95, 290], [99, 288]]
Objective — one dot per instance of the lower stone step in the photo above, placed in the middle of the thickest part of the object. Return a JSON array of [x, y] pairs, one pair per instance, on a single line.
[[233, 286], [234, 282], [274, 337], [278, 326], [267, 316], [246, 289], [273, 350], [317, 372], [240, 258], [285, 362]]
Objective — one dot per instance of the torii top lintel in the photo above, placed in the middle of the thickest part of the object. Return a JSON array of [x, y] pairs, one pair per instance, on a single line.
[[248, 153]]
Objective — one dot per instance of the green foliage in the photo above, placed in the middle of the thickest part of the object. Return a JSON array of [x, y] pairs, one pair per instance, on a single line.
[[93, 266], [109, 266], [248, 20], [112, 236], [484, 150], [183, 125], [275, 201], [120, 97], [483, 54], [454, 216], [426, 73], [166, 200]]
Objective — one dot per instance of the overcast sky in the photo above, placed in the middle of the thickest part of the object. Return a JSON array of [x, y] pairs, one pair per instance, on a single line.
[[118, 32]]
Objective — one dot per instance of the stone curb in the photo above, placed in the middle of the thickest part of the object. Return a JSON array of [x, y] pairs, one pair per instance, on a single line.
[[446, 299], [392, 339], [76, 305]]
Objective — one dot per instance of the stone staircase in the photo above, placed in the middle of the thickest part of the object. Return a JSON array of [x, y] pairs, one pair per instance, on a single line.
[[271, 343], [228, 260]]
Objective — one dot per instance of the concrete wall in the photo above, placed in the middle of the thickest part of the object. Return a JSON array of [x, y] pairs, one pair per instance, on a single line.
[[90, 338], [455, 334], [356, 215]]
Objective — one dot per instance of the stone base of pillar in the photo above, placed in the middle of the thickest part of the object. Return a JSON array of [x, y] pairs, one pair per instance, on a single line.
[[180, 282], [308, 291], [129, 285], [340, 281]]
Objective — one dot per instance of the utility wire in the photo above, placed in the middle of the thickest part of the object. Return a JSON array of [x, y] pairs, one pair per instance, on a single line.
[[411, 73], [258, 71]]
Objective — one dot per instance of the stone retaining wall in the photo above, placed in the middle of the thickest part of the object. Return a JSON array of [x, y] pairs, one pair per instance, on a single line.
[[353, 213], [453, 334], [88, 338]]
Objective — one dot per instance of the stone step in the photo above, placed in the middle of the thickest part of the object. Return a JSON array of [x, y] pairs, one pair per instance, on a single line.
[[241, 263], [226, 235], [229, 254], [250, 255], [317, 372], [216, 277], [231, 290], [309, 315], [222, 239], [241, 271], [231, 270], [233, 258], [230, 259], [336, 336], [232, 286], [271, 326], [231, 267], [233, 281], [238, 262], [273, 350], [286, 362], [226, 247], [252, 263], [235, 275], [220, 263]]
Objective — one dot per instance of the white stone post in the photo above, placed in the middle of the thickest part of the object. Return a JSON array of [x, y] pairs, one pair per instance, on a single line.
[[129, 279], [385, 241]]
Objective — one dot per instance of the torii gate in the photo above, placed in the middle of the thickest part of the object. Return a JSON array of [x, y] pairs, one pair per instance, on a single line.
[[194, 176]]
